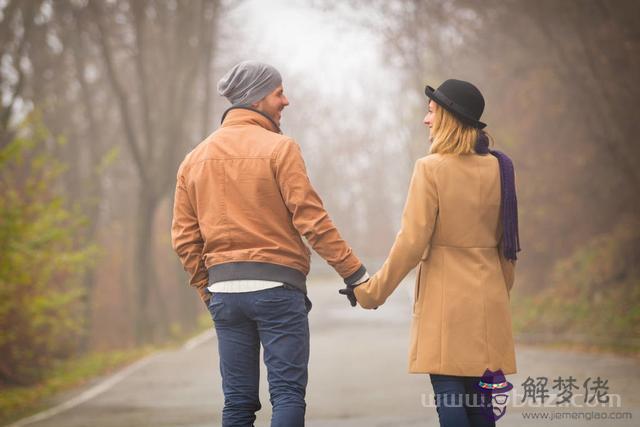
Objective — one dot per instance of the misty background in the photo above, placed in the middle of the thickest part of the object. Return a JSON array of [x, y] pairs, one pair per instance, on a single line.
[[101, 100]]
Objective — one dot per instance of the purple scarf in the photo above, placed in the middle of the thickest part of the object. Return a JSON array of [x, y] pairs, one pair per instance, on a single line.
[[508, 201]]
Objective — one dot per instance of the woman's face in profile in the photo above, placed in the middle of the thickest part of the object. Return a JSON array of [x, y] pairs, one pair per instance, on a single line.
[[431, 114]]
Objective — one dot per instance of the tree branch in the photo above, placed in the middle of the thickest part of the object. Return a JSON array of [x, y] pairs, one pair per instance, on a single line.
[[125, 113]]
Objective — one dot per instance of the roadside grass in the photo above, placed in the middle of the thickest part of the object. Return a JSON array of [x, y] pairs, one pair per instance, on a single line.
[[591, 300], [610, 326], [19, 401]]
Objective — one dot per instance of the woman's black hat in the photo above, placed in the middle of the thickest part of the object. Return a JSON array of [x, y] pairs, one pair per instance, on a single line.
[[461, 98]]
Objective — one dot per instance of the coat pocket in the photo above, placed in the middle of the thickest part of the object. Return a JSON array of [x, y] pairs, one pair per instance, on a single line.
[[425, 254], [417, 291], [414, 338]]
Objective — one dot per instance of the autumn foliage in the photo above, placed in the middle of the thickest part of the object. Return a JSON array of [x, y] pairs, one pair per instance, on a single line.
[[42, 260]]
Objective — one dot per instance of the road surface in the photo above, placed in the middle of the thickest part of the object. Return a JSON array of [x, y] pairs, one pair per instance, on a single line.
[[357, 378]]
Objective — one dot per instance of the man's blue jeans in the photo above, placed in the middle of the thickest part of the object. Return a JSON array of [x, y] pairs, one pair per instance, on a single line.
[[459, 403], [277, 319]]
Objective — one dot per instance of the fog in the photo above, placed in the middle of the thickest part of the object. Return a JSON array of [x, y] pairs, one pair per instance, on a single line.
[[101, 100]]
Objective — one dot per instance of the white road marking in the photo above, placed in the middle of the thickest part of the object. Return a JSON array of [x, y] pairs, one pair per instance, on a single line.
[[86, 395], [200, 339], [107, 384]]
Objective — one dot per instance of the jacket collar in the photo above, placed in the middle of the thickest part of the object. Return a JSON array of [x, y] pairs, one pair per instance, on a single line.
[[240, 115]]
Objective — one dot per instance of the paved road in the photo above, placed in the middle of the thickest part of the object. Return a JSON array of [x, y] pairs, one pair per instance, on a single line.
[[357, 378]]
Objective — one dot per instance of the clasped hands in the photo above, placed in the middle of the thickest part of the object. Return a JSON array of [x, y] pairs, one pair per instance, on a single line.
[[348, 291]]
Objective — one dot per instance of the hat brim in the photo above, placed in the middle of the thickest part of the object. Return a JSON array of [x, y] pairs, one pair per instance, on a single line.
[[508, 387], [432, 94]]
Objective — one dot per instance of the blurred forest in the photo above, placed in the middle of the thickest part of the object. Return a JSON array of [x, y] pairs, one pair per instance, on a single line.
[[101, 100], [560, 80]]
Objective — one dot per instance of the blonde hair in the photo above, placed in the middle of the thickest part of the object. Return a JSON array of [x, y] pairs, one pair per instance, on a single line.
[[449, 135]]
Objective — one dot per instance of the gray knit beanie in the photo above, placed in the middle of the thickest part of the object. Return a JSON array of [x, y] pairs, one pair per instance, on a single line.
[[248, 82]]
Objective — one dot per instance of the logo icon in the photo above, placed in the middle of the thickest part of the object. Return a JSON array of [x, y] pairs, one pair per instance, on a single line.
[[495, 388]]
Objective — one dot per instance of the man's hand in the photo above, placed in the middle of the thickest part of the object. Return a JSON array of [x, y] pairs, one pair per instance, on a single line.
[[348, 292]]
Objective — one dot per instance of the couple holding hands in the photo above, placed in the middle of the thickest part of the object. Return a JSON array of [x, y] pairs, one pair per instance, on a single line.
[[243, 201]]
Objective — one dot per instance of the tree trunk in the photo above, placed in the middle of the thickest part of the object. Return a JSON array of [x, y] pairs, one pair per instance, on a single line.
[[144, 273]]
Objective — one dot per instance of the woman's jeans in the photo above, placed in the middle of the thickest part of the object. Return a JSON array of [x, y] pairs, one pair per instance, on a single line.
[[459, 403], [277, 319]]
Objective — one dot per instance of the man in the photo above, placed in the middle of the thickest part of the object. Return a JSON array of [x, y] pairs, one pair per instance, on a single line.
[[243, 199]]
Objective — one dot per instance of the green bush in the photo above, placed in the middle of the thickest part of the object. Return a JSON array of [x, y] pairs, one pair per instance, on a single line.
[[42, 259]]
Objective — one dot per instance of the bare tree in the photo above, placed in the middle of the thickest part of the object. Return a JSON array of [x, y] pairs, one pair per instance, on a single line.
[[158, 45], [559, 78]]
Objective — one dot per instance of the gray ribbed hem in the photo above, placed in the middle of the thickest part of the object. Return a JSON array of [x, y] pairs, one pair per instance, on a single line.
[[250, 270]]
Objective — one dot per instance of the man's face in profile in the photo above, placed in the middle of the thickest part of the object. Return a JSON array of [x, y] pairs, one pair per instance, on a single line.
[[273, 104]]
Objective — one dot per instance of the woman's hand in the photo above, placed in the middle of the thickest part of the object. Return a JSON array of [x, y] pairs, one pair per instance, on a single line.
[[351, 295]]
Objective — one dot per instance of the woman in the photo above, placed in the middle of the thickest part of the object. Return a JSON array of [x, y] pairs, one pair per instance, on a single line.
[[460, 227]]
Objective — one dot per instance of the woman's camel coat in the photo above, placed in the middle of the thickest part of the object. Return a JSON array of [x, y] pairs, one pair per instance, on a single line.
[[451, 227]]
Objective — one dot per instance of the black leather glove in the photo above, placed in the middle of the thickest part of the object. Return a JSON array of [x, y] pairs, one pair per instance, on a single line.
[[348, 292]]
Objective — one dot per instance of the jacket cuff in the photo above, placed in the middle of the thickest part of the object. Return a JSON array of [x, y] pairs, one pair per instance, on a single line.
[[353, 278]]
